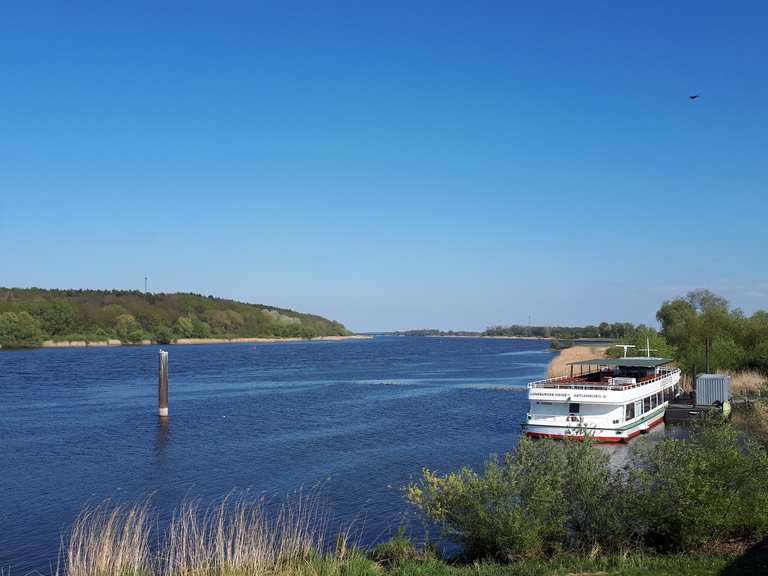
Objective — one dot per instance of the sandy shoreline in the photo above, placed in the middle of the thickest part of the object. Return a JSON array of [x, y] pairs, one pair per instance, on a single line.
[[559, 365], [195, 341]]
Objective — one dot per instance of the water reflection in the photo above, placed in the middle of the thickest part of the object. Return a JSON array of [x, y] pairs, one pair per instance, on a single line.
[[162, 438], [620, 454]]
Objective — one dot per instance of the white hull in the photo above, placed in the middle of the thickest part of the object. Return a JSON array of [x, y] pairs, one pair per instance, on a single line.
[[563, 408]]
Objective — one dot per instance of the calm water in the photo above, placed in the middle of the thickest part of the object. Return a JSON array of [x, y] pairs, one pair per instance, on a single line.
[[78, 426]]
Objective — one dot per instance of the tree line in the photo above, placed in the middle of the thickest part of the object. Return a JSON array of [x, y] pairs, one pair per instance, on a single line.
[[602, 330], [704, 332], [29, 316]]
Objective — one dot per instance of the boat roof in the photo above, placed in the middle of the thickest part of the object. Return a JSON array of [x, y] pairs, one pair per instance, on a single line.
[[630, 362]]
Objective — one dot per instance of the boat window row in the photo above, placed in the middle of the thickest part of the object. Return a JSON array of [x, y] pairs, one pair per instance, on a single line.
[[639, 407]]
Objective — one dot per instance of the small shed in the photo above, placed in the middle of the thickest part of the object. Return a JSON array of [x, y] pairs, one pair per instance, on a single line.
[[711, 388]]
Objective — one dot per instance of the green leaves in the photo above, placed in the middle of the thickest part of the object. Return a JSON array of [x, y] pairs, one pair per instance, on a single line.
[[132, 316], [548, 496], [19, 330], [735, 341]]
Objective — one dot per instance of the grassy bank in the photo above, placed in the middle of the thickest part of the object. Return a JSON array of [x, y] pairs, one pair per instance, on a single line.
[[693, 506], [236, 538]]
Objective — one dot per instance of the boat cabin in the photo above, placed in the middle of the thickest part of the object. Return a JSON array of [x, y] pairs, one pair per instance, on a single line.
[[619, 370]]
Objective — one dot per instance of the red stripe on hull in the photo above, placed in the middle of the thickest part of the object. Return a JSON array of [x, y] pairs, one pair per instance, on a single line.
[[599, 439]]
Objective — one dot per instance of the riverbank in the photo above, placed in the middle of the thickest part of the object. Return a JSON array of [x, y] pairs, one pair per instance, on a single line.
[[194, 341], [560, 364]]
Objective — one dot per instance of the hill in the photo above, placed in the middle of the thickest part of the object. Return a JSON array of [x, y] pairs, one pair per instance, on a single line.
[[29, 316]]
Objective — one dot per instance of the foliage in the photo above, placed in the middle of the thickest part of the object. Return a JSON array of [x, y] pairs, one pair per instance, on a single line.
[[641, 338], [396, 550], [19, 330], [678, 495], [608, 565], [29, 316], [128, 329], [708, 488], [701, 318], [543, 497], [603, 330]]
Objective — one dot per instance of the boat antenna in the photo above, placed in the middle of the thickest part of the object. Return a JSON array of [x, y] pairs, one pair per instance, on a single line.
[[647, 348], [625, 346]]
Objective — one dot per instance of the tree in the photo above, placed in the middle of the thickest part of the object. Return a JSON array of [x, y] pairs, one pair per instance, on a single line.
[[190, 326], [128, 329], [19, 330], [57, 317], [704, 300]]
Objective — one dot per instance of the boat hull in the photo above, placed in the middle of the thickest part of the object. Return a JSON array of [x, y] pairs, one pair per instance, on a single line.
[[599, 435], [612, 408]]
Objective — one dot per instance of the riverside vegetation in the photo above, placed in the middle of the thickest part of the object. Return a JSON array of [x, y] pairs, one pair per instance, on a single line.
[[30, 316], [680, 507]]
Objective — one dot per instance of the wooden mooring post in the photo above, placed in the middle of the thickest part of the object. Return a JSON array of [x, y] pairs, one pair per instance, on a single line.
[[162, 388]]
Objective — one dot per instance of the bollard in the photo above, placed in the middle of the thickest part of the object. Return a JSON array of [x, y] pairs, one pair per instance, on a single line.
[[163, 385]]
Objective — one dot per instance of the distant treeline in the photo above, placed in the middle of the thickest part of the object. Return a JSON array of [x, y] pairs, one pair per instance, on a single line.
[[30, 316], [699, 330], [602, 330], [435, 332]]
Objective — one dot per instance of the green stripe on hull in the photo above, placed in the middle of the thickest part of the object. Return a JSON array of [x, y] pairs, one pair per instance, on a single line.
[[649, 416], [644, 419]]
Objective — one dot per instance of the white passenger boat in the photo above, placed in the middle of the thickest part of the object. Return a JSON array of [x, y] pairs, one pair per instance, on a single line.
[[611, 399]]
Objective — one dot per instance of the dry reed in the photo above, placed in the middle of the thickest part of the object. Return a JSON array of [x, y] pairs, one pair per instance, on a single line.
[[747, 383], [237, 536], [110, 540], [559, 366]]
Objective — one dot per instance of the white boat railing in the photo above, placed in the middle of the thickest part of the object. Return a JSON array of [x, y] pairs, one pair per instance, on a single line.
[[577, 382]]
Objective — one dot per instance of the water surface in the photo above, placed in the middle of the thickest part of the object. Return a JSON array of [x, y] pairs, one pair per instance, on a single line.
[[362, 417]]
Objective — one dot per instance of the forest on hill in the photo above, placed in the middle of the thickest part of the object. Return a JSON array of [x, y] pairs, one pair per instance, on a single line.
[[29, 316]]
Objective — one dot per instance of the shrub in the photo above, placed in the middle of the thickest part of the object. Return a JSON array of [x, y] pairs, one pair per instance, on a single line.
[[394, 551], [19, 330], [708, 488], [679, 495], [516, 508]]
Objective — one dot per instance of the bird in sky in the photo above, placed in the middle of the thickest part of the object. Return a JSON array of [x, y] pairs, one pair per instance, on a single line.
[[694, 97]]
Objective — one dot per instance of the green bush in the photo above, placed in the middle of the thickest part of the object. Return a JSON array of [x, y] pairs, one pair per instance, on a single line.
[[519, 507], [19, 330], [708, 488], [163, 335], [396, 550], [546, 496]]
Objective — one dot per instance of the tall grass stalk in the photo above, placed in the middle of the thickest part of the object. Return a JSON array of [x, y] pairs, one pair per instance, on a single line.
[[748, 382], [236, 536], [110, 540]]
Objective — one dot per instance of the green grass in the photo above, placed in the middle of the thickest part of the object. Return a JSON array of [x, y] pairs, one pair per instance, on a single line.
[[674, 565]]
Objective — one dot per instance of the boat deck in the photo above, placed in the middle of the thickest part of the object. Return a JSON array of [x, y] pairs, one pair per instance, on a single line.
[[596, 381]]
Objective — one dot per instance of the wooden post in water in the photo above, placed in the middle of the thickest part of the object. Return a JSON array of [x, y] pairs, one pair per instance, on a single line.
[[162, 388]]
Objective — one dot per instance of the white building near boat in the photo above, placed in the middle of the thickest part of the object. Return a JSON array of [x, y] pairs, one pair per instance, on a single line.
[[614, 399]]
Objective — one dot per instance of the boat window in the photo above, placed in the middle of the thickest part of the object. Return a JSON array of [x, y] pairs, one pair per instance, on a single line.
[[646, 404], [573, 408], [629, 411], [660, 398], [654, 401]]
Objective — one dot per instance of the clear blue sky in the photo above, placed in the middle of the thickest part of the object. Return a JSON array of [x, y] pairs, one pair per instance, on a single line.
[[392, 166]]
